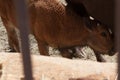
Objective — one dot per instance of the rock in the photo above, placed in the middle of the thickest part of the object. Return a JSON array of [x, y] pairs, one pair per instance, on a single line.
[[56, 68]]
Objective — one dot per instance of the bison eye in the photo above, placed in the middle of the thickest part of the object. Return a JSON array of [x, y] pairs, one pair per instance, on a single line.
[[103, 34]]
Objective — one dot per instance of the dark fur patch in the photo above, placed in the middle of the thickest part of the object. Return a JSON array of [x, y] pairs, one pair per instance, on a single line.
[[78, 8], [91, 23]]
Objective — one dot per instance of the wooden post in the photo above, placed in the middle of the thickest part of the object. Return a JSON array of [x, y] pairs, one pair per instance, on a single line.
[[23, 25], [117, 32]]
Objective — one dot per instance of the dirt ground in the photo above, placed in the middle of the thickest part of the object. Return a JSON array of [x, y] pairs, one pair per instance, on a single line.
[[4, 47]]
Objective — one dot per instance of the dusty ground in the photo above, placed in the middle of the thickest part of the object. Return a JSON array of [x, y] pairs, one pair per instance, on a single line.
[[4, 47], [56, 68]]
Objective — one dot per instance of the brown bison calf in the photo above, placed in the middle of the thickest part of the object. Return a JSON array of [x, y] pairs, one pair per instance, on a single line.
[[60, 26]]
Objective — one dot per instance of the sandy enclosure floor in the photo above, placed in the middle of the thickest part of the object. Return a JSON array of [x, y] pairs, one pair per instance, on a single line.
[[4, 47]]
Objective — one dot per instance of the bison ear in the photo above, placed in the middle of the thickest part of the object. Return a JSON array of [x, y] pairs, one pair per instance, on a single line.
[[89, 23], [77, 7]]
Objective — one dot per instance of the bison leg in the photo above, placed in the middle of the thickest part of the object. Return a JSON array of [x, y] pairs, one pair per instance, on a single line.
[[12, 36], [43, 48], [99, 57], [66, 53]]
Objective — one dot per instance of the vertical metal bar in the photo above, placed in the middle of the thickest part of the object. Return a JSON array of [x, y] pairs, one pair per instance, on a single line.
[[117, 32], [22, 20]]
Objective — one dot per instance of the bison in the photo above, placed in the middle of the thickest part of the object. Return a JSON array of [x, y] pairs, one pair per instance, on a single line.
[[60, 26]]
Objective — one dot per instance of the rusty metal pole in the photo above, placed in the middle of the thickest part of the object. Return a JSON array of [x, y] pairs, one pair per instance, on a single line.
[[117, 32], [23, 25]]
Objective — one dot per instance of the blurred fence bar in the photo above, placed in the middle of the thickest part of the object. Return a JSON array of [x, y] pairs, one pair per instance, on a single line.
[[23, 25], [117, 32]]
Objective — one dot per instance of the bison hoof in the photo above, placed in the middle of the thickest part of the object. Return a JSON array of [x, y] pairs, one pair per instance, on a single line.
[[12, 50], [102, 60]]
